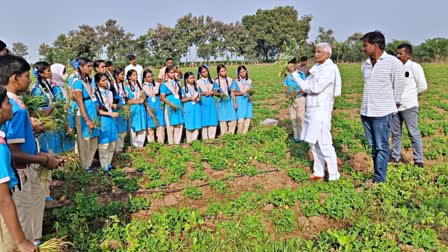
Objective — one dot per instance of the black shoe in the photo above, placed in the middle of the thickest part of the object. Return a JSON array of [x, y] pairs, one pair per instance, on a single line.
[[418, 164]]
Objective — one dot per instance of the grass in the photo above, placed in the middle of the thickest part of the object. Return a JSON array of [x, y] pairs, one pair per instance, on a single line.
[[250, 193]]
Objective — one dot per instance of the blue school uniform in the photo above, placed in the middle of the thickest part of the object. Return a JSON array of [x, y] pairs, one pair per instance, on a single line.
[[52, 141], [7, 172], [154, 103], [226, 110], [208, 105], [91, 108], [138, 111], [122, 123], [19, 130], [108, 130], [245, 107], [292, 85], [175, 117], [192, 110], [73, 108]]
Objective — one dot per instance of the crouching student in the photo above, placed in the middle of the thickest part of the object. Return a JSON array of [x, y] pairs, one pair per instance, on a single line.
[[156, 120], [192, 108], [85, 124], [108, 131], [30, 201], [12, 237], [242, 99]]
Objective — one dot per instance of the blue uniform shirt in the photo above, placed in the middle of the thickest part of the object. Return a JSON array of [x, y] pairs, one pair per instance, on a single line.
[[292, 85], [7, 173]]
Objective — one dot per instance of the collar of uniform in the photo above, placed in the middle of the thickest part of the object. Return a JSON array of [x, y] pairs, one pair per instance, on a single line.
[[2, 134], [13, 96]]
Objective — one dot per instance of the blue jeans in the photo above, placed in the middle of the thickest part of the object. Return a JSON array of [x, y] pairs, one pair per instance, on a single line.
[[410, 118], [377, 131]]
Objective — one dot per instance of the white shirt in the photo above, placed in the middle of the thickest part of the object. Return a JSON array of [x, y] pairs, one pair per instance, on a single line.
[[383, 86], [414, 85], [137, 68], [321, 86]]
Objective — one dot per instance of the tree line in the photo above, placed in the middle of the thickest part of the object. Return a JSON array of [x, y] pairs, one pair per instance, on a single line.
[[261, 37]]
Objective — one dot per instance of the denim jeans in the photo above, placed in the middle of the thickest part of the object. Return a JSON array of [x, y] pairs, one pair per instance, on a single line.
[[377, 131], [410, 118]]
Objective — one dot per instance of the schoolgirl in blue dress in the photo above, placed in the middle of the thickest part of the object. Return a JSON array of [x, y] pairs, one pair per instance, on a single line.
[[121, 96], [108, 131], [226, 110], [155, 128], [137, 101], [192, 107], [49, 141], [208, 105], [86, 127], [242, 99], [171, 95]]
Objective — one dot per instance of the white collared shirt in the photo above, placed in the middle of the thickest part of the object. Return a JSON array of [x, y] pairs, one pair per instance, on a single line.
[[415, 83], [137, 68], [383, 86]]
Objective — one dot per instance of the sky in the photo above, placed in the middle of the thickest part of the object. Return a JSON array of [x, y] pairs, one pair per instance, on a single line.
[[36, 22]]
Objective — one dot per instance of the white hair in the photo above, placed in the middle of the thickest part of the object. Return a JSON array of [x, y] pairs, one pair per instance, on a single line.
[[325, 46]]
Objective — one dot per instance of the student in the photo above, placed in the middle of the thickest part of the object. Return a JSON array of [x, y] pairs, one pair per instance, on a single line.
[[110, 68], [208, 106], [152, 90], [12, 237], [30, 202], [108, 131], [138, 110], [73, 113], [242, 100], [192, 108], [226, 111], [171, 95], [85, 124], [49, 141], [58, 77], [297, 108], [122, 123], [169, 62]]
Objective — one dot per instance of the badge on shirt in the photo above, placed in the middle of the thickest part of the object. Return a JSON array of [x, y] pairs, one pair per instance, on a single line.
[[176, 96]]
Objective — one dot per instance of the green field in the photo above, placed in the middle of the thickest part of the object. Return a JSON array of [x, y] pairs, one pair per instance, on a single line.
[[250, 193]]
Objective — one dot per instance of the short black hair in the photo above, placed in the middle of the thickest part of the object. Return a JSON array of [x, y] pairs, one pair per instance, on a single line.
[[131, 57], [2, 45], [12, 65], [168, 59], [109, 63], [303, 58], [375, 37], [292, 61], [407, 47], [3, 94]]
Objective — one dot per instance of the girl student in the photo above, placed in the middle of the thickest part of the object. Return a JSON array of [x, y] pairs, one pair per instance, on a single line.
[[155, 128], [137, 101], [121, 96], [242, 99], [85, 124], [208, 106], [171, 95], [12, 236], [297, 108], [50, 141], [108, 132], [192, 108], [226, 110]]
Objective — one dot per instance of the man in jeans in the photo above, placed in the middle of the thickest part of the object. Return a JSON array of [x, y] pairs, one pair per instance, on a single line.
[[383, 85], [415, 83]]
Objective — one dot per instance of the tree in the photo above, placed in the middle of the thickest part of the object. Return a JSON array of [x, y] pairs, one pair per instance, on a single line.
[[19, 49], [432, 50], [114, 39], [165, 42], [272, 29], [238, 40]]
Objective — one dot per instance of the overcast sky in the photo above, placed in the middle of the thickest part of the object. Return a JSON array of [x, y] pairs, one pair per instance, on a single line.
[[36, 22]]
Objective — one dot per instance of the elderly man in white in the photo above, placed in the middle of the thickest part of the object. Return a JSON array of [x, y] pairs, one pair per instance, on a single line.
[[322, 86]]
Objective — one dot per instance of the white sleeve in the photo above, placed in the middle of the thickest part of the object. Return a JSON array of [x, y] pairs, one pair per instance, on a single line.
[[420, 78], [315, 84]]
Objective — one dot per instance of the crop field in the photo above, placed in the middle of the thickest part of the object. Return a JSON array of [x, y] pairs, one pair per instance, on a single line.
[[251, 192]]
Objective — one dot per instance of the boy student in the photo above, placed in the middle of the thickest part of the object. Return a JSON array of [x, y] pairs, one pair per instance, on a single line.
[[12, 237], [30, 202]]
